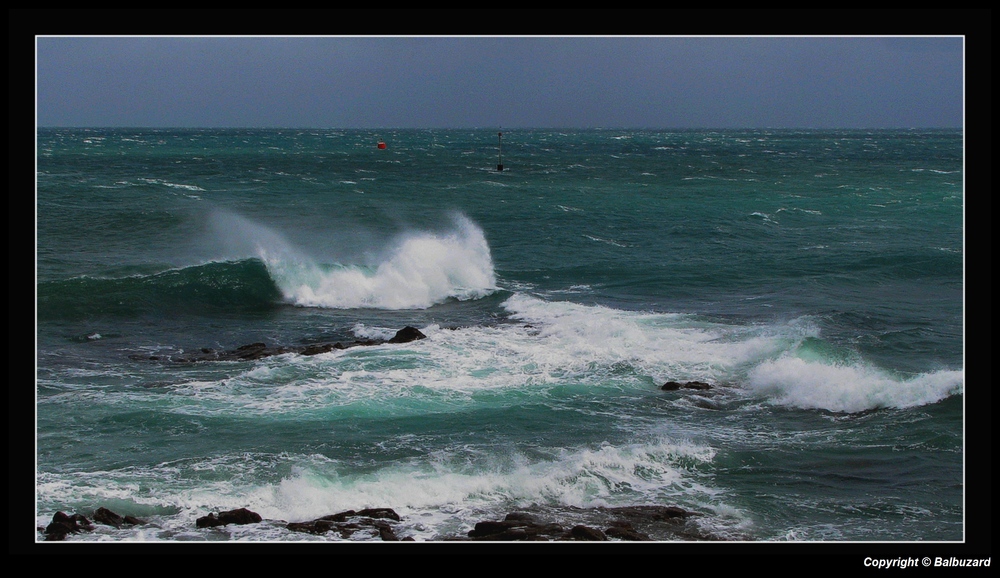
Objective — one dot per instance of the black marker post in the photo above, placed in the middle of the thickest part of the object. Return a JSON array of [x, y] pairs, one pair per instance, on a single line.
[[500, 151]]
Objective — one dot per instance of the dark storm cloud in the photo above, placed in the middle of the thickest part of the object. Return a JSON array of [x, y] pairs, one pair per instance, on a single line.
[[500, 81]]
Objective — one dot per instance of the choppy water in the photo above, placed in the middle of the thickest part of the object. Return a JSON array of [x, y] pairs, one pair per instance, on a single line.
[[813, 278]]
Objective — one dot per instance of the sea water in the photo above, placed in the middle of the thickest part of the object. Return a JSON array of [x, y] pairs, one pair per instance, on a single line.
[[813, 278]]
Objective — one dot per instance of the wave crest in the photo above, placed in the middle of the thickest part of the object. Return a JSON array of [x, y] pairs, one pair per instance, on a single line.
[[420, 270], [849, 388]]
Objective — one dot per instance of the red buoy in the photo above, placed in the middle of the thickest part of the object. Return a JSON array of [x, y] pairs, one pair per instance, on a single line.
[[381, 145]]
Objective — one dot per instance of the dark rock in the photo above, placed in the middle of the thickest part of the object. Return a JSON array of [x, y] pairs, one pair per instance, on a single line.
[[312, 527], [407, 334], [108, 518], [651, 513], [515, 527], [697, 385], [63, 524], [582, 532], [209, 521], [348, 522], [670, 520], [675, 385], [625, 531], [380, 513], [317, 349], [341, 517], [56, 531], [385, 532], [240, 516], [251, 351], [508, 535], [258, 350], [347, 530], [665, 520], [490, 527]]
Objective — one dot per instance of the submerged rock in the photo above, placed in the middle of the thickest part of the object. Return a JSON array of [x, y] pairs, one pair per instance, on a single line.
[[109, 518], [325, 348], [259, 350], [675, 385]]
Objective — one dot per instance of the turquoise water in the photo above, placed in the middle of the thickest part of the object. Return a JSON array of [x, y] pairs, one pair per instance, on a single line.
[[813, 278]]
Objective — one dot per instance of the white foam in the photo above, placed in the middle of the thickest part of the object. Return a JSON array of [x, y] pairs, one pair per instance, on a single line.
[[562, 344], [792, 381], [665, 346], [419, 270], [583, 477], [415, 271]]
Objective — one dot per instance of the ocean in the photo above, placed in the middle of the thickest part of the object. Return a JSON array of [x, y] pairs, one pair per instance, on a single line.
[[803, 290]]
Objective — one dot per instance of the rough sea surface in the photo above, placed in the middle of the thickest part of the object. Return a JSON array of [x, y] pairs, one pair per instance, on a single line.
[[813, 279]]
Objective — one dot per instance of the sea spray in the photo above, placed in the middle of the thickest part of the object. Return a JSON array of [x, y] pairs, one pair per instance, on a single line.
[[236, 237], [543, 397], [664, 346], [417, 269], [850, 388], [461, 479], [420, 270]]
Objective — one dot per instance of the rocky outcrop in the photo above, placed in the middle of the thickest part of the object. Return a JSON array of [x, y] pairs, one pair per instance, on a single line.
[[625, 532], [109, 518], [651, 513], [348, 522], [628, 523], [675, 385], [516, 527], [406, 335], [670, 520], [521, 526], [63, 524], [325, 348], [239, 516], [258, 350], [581, 532]]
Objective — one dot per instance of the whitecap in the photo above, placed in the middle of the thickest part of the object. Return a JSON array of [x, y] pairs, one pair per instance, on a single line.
[[849, 388]]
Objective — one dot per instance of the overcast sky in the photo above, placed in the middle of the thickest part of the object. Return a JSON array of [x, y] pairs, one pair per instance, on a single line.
[[526, 82]]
